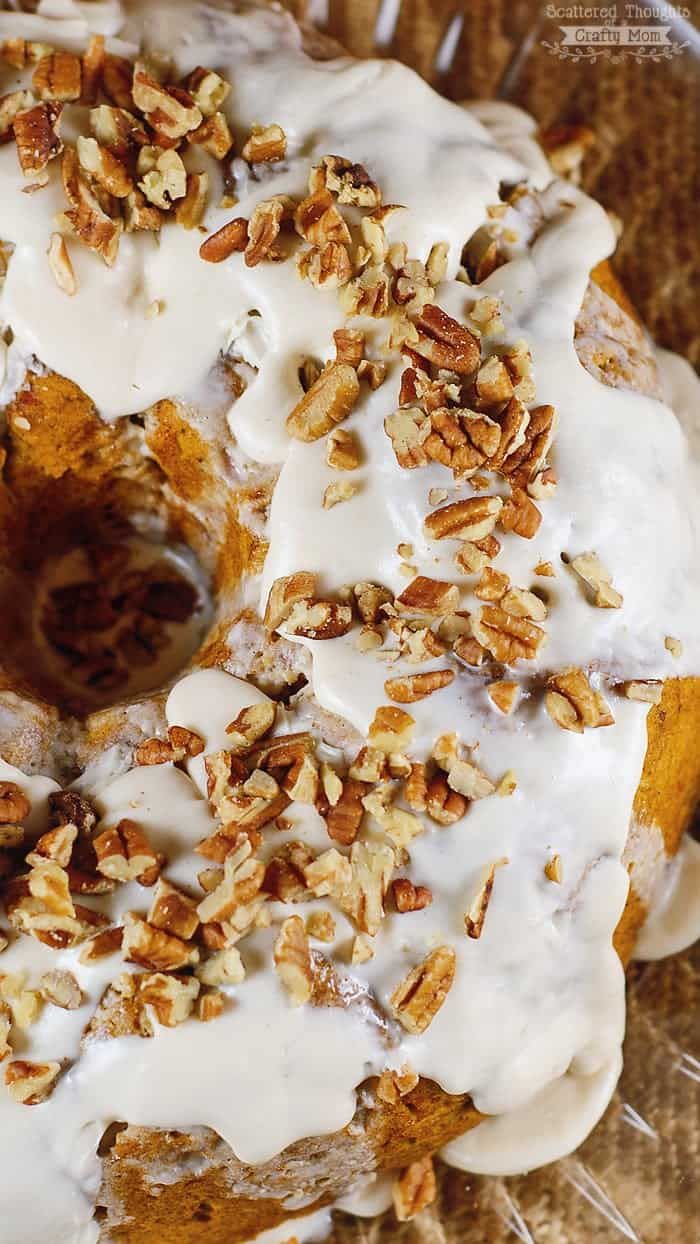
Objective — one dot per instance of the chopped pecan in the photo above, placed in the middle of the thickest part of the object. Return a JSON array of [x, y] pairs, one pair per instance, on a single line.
[[36, 137], [393, 1084], [31, 1083], [293, 961], [61, 989], [232, 237], [363, 900], [373, 372], [321, 926], [61, 266], [415, 790], [350, 183], [319, 619], [284, 873], [344, 818], [224, 967], [493, 383], [521, 515], [264, 227], [163, 176], [318, 220], [481, 255], [425, 595], [140, 215], [475, 915], [504, 695], [85, 216], [370, 597], [207, 89], [11, 836], [285, 593], [242, 880], [408, 430], [266, 145], [573, 703], [108, 942], [92, 66], [415, 1189], [10, 106], [470, 519], [492, 585], [105, 167], [191, 208], [523, 461], [210, 1006], [349, 346], [391, 729], [329, 401], [409, 897], [117, 75], [169, 110], [343, 452], [524, 604], [506, 637], [14, 804], [445, 342], [589, 568], [173, 910], [417, 1000], [553, 870], [337, 492], [329, 873], [413, 687], [58, 76], [328, 267], [467, 779], [213, 136], [444, 805], [153, 948], [125, 854], [171, 997]]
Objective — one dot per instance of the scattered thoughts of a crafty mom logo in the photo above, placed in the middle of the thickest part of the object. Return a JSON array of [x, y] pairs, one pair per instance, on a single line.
[[642, 32]]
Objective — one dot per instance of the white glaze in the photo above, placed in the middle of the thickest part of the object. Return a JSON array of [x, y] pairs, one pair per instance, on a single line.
[[542, 991]]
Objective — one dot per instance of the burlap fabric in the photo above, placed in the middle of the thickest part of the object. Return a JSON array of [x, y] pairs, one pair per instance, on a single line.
[[636, 1176]]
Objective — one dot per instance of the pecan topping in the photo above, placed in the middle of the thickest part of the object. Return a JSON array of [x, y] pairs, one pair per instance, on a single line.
[[31, 1083], [338, 491], [521, 515], [393, 1084], [553, 870], [589, 568], [58, 76], [207, 89], [264, 227], [415, 1189], [329, 401], [475, 915], [153, 948], [417, 1000], [36, 136], [470, 519], [169, 110], [445, 342], [173, 911], [504, 695], [391, 729], [409, 897], [14, 805], [125, 854], [319, 619], [573, 704], [344, 818], [506, 637], [214, 136], [363, 898], [10, 106], [85, 217], [343, 452], [414, 687], [226, 241], [285, 593], [424, 595], [293, 960], [266, 145], [60, 265], [350, 183], [61, 989]]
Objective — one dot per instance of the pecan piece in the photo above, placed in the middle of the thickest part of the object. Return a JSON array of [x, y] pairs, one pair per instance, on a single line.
[[169, 110], [506, 637], [591, 570], [319, 619], [417, 1000], [328, 402], [573, 703], [444, 805], [521, 515], [350, 183], [37, 138], [293, 961], [470, 519], [344, 818], [415, 1189], [445, 342], [409, 897], [61, 266], [414, 687], [285, 593], [58, 77], [31, 1083], [263, 228], [425, 595], [153, 948], [14, 804], [391, 729], [125, 854], [475, 915]]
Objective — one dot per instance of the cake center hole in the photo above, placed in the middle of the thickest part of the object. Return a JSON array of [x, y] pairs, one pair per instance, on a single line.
[[112, 621]]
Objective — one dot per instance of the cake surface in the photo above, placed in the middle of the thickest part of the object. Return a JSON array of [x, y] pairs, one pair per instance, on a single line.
[[449, 530]]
